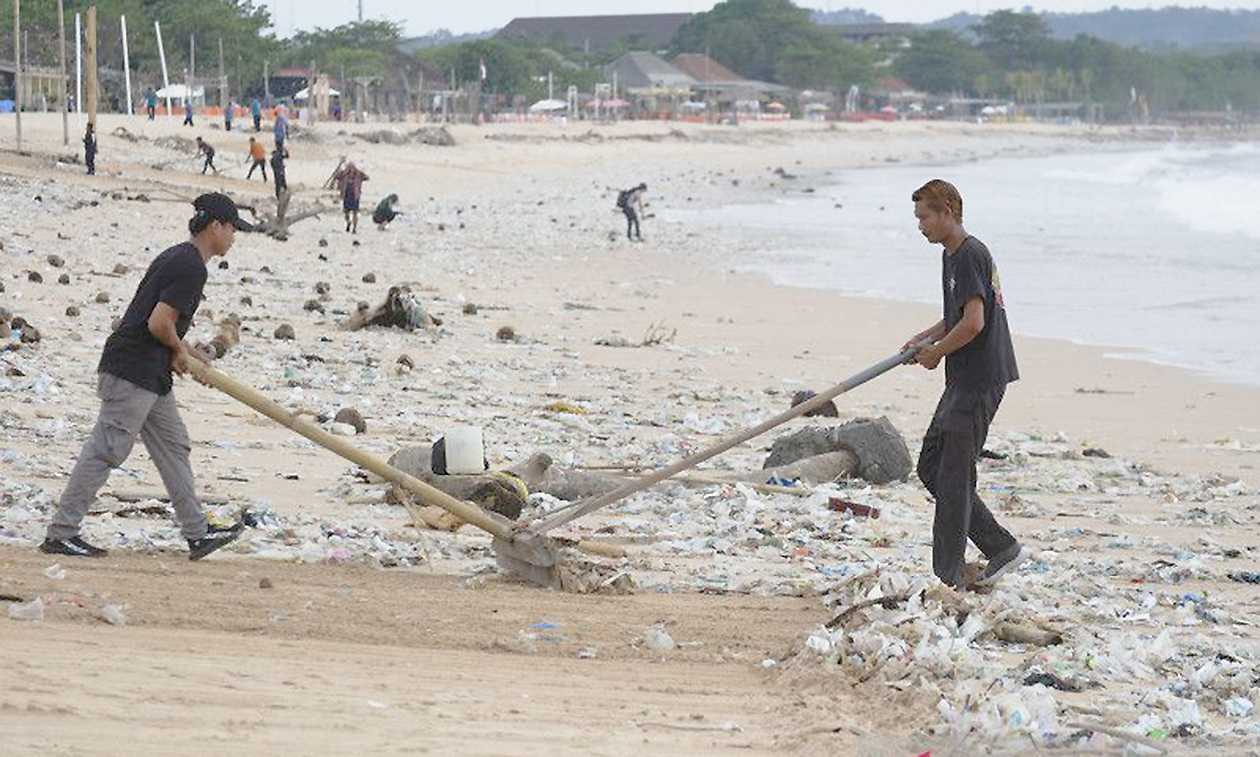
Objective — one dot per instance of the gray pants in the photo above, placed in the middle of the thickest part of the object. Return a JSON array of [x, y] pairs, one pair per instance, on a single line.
[[947, 467], [128, 410]]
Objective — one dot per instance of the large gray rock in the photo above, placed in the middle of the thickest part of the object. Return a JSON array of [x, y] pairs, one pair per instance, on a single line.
[[881, 451]]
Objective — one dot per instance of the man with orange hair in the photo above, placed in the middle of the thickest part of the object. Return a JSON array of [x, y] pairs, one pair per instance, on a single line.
[[974, 340]]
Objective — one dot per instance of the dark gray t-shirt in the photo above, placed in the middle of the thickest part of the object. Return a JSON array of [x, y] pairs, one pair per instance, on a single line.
[[989, 359], [175, 277]]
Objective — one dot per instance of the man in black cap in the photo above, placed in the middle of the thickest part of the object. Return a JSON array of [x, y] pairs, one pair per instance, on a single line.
[[134, 385]]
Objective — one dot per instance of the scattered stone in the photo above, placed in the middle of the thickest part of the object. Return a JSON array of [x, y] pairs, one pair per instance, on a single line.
[[34, 277], [351, 417], [247, 301], [1096, 452], [30, 334], [406, 364], [369, 278], [322, 287], [470, 309], [313, 305], [121, 269], [881, 451], [323, 242], [114, 615], [56, 261], [355, 243], [72, 312], [343, 429], [265, 583], [505, 334], [828, 410], [63, 278], [285, 331], [265, 269], [223, 265], [102, 298]]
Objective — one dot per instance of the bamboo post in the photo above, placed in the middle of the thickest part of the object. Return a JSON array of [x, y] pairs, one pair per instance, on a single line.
[[166, 80], [65, 112], [126, 64], [90, 52], [17, 68], [78, 63]]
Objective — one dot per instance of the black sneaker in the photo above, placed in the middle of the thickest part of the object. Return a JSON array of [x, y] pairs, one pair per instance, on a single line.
[[215, 539], [74, 547], [1003, 563]]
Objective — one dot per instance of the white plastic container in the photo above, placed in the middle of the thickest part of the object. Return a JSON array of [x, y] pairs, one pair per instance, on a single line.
[[465, 451]]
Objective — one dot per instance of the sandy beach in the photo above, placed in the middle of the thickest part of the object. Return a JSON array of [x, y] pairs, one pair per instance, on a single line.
[[519, 221]]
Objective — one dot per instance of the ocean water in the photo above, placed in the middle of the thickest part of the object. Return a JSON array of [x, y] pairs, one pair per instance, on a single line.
[[1154, 252]]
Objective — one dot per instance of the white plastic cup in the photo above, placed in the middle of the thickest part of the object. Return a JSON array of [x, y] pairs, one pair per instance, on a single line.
[[465, 451]]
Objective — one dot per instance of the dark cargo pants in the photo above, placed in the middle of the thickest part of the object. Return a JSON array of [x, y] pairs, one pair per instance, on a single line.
[[947, 467]]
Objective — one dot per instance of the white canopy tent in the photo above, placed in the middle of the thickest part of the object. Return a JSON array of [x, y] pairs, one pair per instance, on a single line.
[[305, 93], [548, 106], [180, 92]]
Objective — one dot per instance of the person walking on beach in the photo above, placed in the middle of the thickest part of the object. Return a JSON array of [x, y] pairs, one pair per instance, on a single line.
[[255, 110], [150, 101], [227, 115], [89, 149], [630, 202], [208, 151], [350, 183], [188, 120], [281, 131], [259, 156], [974, 340], [277, 173], [135, 387]]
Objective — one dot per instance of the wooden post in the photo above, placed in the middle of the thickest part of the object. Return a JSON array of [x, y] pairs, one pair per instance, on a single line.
[[90, 52], [65, 112], [17, 68]]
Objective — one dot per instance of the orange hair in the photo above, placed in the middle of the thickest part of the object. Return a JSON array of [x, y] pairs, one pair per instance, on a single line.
[[940, 195]]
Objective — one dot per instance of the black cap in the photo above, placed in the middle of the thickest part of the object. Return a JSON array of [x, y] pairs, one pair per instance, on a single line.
[[221, 208]]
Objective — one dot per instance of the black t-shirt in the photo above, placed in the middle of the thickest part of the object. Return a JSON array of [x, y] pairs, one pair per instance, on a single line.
[[989, 359], [175, 277]]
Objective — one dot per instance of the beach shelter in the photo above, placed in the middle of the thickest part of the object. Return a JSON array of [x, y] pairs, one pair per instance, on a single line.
[[548, 106]]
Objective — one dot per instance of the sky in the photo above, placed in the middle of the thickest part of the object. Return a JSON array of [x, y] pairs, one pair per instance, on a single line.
[[480, 15]]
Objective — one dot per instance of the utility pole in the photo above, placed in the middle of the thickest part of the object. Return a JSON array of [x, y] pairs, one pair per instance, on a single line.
[[78, 63], [266, 85], [126, 64], [166, 80], [65, 112], [91, 65], [360, 11], [224, 100], [17, 67]]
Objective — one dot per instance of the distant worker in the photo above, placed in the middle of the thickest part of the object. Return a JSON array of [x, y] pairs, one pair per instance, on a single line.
[[259, 156], [188, 115], [205, 149], [277, 173], [150, 101], [630, 202], [281, 131], [255, 109], [89, 149], [350, 182], [385, 212], [227, 115]]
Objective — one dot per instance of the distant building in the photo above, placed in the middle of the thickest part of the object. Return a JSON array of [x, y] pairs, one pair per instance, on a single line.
[[721, 83], [648, 31], [648, 73], [860, 34]]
